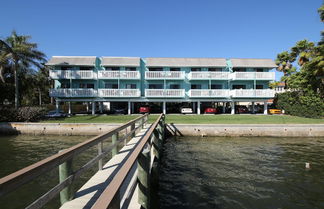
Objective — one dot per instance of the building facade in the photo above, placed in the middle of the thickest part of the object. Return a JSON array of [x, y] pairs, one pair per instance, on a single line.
[[168, 81]]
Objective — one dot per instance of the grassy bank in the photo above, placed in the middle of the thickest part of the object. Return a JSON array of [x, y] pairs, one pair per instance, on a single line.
[[195, 119]]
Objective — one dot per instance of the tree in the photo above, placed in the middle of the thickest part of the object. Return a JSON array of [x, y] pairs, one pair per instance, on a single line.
[[19, 54], [284, 61]]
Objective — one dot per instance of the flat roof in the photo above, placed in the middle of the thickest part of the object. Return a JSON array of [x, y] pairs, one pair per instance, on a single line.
[[121, 61], [72, 60], [253, 63], [185, 62]]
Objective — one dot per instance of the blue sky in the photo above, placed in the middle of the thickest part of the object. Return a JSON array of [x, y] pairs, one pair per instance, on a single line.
[[164, 28]]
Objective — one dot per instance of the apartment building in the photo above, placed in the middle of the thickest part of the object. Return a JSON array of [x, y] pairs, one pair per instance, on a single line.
[[166, 81]]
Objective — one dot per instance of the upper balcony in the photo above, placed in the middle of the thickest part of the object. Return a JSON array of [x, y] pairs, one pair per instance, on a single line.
[[167, 93], [73, 93], [208, 75], [208, 93], [72, 74], [134, 75], [252, 76], [119, 93], [252, 93], [168, 75]]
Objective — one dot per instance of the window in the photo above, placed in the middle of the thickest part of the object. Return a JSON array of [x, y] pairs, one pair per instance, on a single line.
[[85, 68], [174, 69], [195, 69], [155, 69], [214, 69], [195, 86], [216, 86], [174, 86], [90, 85], [112, 68], [131, 86], [130, 68], [259, 86], [66, 68], [82, 85], [155, 86], [239, 87], [259, 70], [65, 85], [111, 85], [239, 69]]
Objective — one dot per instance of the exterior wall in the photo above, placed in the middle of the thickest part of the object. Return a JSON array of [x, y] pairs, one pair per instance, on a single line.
[[142, 84]]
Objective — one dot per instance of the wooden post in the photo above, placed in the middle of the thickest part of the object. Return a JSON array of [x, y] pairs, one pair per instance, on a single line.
[[114, 140], [100, 148], [65, 170], [132, 128], [143, 176]]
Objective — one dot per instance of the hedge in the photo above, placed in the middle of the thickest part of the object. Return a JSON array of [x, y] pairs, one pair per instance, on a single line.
[[303, 104], [22, 114]]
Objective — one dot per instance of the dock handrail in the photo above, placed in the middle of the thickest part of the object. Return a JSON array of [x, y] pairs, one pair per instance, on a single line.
[[13, 181], [109, 197]]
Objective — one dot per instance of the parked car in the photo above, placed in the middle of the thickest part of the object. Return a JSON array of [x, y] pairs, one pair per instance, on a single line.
[[119, 111], [275, 111], [210, 110], [54, 114], [144, 109], [186, 110], [241, 109]]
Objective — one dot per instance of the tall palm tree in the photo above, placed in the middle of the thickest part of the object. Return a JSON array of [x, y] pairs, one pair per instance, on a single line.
[[20, 53]]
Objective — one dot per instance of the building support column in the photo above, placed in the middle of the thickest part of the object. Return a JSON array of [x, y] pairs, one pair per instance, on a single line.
[[70, 111], [194, 107], [232, 108], [129, 108], [253, 108], [132, 107], [224, 107], [198, 107], [87, 106], [164, 107], [101, 107], [57, 106], [93, 111], [265, 108]]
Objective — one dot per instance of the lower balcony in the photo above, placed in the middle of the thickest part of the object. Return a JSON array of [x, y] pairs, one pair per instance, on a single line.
[[119, 92], [208, 93], [72, 74], [168, 93], [73, 93], [252, 93]]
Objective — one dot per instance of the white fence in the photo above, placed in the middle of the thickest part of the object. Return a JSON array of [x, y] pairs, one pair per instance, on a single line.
[[119, 92], [72, 74], [73, 93], [252, 76], [208, 75], [164, 93], [172, 75], [263, 93], [208, 93], [119, 74]]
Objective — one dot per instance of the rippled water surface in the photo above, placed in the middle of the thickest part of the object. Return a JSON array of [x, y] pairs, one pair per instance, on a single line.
[[17, 152], [249, 173]]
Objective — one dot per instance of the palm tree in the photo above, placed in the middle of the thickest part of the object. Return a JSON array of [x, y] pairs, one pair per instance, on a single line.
[[284, 62], [19, 53]]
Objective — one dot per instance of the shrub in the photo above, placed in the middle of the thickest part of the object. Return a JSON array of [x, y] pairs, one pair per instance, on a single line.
[[298, 103], [23, 114]]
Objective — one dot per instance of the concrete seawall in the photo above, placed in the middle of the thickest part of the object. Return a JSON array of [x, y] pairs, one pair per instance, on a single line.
[[274, 130]]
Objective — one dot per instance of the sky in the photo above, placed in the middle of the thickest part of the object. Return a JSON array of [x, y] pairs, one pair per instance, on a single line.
[[163, 28]]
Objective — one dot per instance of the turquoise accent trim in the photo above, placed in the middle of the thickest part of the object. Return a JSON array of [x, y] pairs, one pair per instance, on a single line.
[[229, 65]]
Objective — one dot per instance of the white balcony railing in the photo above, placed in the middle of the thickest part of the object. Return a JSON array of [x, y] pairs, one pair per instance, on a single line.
[[119, 92], [159, 75], [252, 76], [73, 93], [72, 74], [119, 74], [172, 93], [208, 93], [261, 93], [208, 75]]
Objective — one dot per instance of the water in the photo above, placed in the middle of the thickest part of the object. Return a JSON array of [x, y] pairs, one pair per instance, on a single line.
[[230, 173], [17, 152]]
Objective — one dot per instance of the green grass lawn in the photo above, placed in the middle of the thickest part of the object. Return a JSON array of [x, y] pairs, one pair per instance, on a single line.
[[195, 119]]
